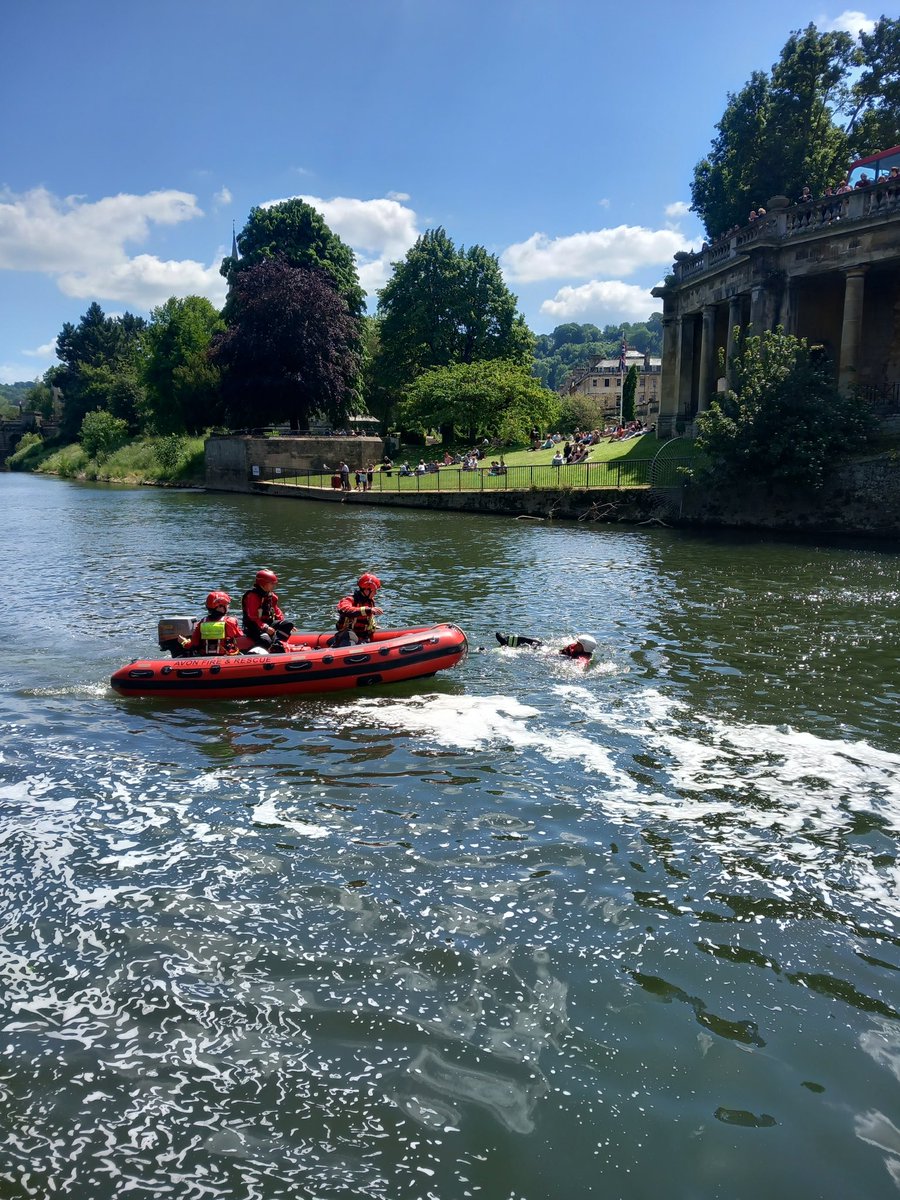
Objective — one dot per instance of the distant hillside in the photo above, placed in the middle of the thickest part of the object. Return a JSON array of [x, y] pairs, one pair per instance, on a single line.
[[14, 393], [556, 353]]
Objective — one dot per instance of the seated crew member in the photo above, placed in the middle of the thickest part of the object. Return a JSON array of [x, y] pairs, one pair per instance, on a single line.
[[264, 621], [216, 633], [356, 614]]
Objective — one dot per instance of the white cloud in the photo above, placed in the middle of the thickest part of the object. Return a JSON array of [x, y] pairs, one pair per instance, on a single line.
[[850, 20], [379, 232], [604, 203], [677, 212], [48, 350], [600, 301], [606, 252], [82, 245], [10, 373], [223, 197]]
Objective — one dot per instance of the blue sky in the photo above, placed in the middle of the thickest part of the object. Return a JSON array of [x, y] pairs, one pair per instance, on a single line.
[[560, 134]]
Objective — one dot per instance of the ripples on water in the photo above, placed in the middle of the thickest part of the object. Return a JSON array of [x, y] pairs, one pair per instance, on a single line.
[[517, 932]]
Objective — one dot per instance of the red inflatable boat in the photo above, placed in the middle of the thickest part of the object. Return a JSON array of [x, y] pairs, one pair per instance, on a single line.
[[310, 665]]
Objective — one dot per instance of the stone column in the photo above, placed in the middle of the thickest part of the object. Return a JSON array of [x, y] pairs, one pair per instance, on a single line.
[[684, 374], [707, 357], [854, 288], [788, 307], [668, 383], [735, 306], [758, 322]]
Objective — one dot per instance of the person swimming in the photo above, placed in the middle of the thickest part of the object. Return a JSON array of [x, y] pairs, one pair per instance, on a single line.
[[582, 647]]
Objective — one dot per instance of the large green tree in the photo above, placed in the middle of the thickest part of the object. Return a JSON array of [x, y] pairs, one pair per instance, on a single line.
[[489, 398], [182, 383], [101, 367], [444, 306], [783, 421], [290, 349], [296, 232], [874, 99], [780, 132]]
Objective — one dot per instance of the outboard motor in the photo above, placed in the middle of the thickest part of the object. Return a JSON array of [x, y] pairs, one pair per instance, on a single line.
[[170, 629]]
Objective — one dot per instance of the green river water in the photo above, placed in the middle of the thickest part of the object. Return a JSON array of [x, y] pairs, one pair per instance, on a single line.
[[516, 932]]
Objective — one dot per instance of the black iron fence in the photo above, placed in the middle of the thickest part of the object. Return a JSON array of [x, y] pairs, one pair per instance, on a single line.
[[618, 473]]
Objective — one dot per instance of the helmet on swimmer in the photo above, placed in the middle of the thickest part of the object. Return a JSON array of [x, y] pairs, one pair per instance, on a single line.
[[587, 642], [217, 600], [369, 583], [265, 576]]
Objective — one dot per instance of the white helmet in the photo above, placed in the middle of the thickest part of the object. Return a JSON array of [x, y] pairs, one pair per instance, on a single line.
[[587, 643]]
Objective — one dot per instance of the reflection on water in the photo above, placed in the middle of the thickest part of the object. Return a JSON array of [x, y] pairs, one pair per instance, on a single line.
[[519, 931]]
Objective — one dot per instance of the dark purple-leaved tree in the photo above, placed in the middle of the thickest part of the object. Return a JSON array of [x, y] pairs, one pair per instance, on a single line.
[[290, 349]]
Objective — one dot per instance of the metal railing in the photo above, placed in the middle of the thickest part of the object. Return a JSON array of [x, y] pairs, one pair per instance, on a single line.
[[617, 473]]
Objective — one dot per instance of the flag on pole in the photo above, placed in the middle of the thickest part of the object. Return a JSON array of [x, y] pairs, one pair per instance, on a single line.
[[623, 365]]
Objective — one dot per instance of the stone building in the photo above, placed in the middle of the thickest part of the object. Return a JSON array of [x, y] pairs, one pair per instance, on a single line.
[[601, 379], [827, 270]]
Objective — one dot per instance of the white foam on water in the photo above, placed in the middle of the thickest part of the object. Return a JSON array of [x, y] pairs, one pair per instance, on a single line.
[[266, 813]]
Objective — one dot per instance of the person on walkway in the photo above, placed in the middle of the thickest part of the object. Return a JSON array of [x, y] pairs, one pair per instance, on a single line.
[[344, 472], [264, 622], [216, 633], [356, 613]]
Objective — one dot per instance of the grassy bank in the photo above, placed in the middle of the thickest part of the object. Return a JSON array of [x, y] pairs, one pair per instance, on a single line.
[[174, 461]]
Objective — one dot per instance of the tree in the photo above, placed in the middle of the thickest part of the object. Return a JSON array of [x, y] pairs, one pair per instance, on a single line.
[[784, 420], [629, 387], [296, 232], [444, 306], [100, 359], [874, 99], [101, 433], [182, 384], [290, 349], [489, 398], [778, 133]]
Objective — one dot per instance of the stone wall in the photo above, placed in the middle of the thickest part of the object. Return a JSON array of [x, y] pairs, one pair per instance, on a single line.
[[232, 463], [860, 498]]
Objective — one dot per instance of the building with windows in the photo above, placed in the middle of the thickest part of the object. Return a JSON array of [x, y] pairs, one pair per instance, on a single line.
[[601, 379]]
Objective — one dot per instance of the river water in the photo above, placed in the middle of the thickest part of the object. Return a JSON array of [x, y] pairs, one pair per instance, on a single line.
[[516, 932]]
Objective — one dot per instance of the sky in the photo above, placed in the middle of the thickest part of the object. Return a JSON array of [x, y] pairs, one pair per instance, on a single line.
[[559, 134]]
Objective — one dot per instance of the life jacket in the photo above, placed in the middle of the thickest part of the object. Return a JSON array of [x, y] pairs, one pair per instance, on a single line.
[[215, 637], [355, 613], [259, 608]]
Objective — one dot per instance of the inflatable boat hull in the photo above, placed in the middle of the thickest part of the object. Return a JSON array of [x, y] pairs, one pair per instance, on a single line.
[[309, 666]]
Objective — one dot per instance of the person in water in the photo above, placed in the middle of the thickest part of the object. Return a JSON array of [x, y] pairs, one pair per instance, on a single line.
[[264, 622], [582, 648], [216, 633], [356, 614]]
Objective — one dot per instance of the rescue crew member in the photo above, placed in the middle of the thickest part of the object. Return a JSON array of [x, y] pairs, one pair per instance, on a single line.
[[216, 633], [264, 622], [356, 614]]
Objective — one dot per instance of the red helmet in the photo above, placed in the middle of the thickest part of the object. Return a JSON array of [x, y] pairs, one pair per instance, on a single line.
[[369, 583], [218, 600], [266, 576]]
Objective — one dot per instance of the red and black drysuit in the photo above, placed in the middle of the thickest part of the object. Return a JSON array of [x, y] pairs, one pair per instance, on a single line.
[[356, 615], [214, 635], [264, 621]]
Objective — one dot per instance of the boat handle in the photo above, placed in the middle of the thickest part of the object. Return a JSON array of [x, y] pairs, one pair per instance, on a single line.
[[357, 658], [188, 672], [416, 646], [297, 666], [140, 674]]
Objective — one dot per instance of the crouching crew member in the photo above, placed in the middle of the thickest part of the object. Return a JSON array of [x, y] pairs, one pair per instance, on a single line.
[[356, 614], [264, 622], [216, 633]]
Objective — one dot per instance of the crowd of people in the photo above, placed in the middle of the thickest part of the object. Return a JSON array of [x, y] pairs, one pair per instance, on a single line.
[[757, 212]]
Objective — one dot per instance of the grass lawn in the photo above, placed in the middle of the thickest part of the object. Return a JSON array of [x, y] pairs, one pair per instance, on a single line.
[[609, 464]]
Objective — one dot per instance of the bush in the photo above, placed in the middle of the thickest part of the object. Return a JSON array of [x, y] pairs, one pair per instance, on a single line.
[[101, 433], [785, 419]]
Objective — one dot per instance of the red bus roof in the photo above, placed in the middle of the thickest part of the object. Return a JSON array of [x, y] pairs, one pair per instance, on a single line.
[[872, 158]]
